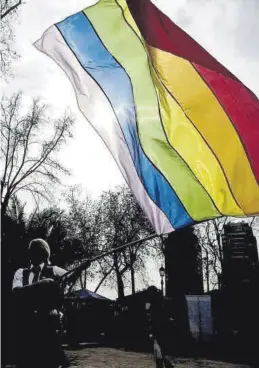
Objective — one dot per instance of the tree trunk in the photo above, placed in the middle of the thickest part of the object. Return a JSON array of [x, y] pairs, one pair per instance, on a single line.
[[120, 284], [103, 279], [4, 205], [81, 280], [219, 281], [132, 274], [220, 250], [207, 271], [85, 276]]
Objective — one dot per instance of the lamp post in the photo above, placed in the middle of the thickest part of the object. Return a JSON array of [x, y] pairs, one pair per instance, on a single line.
[[162, 275]]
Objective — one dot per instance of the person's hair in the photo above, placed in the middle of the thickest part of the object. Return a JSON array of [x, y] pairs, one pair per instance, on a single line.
[[42, 245]]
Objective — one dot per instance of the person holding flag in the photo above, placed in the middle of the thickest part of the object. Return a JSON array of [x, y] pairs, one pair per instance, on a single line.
[[37, 302]]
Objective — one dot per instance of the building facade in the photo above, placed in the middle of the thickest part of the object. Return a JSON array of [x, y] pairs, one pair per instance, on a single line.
[[240, 258], [183, 264], [240, 286]]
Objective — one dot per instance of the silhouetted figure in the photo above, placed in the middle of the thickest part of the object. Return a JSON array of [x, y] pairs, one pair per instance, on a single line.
[[157, 322], [37, 302]]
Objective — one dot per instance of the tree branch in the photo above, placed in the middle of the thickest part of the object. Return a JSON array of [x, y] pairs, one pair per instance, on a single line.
[[11, 9], [104, 278]]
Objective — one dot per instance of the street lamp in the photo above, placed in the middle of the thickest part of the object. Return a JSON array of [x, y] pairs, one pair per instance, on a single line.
[[162, 275]]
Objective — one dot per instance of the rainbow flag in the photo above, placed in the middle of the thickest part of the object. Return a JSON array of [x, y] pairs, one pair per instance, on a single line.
[[183, 130]]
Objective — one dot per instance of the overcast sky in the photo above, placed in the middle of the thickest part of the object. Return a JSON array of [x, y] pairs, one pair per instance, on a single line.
[[227, 29]]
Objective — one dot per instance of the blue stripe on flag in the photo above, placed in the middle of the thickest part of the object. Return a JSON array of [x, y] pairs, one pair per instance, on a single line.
[[82, 39]]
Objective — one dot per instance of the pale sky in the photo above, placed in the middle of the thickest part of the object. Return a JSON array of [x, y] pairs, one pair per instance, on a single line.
[[227, 29]]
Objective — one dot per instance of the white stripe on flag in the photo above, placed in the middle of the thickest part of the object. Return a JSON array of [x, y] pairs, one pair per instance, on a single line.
[[96, 108]]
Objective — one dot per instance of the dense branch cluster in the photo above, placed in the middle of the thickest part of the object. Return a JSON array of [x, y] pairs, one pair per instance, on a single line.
[[29, 145], [209, 235], [105, 224], [8, 7], [8, 11]]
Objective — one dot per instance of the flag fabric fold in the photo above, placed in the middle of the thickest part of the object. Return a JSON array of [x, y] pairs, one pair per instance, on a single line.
[[183, 130]]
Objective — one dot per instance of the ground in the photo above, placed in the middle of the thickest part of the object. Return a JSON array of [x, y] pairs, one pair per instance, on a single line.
[[112, 358]]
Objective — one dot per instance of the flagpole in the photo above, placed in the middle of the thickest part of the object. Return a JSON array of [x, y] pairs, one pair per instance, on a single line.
[[85, 263]]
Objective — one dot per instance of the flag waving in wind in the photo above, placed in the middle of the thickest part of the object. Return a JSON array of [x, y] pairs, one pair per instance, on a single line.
[[183, 130]]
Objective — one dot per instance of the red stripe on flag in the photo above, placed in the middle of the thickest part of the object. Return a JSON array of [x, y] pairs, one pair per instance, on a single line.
[[239, 103], [160, 32], [242, 108]]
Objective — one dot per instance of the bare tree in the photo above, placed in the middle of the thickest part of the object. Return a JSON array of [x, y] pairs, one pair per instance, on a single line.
[[29, 145], [8, 10], [122, 222], [83, 223], [210, 238], [209, 235], [8, 7], [254, 223]]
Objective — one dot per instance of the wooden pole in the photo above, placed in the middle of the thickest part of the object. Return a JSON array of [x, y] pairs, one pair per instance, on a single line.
[[86, 262]]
